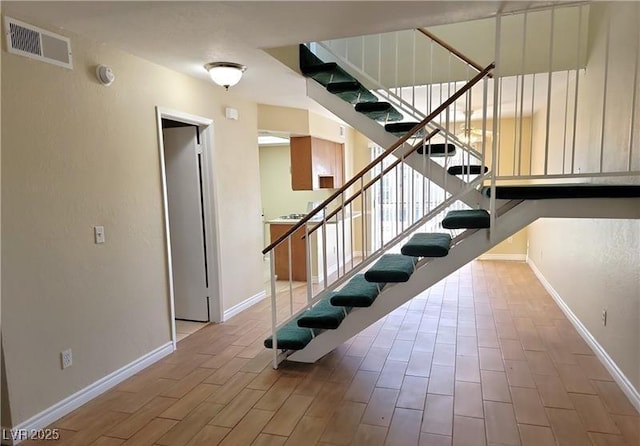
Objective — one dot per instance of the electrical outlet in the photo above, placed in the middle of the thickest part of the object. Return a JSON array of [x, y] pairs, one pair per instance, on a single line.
[[66, 358], [604, 317]]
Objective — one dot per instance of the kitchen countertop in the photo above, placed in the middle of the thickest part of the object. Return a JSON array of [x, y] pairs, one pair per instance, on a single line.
[[314, 220]]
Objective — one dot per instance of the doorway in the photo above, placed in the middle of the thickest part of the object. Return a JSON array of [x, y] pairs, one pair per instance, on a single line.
[[185, 143]]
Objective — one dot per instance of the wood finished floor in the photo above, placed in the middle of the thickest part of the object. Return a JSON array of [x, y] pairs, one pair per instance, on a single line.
[[483, 358]]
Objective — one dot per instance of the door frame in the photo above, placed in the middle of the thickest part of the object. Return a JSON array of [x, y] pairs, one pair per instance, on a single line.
[[210, 210]]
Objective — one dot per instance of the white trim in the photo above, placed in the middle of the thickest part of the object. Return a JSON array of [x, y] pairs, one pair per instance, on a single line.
[[69, 404], [506, 257], [228, 314], [211, 229], [627, 387]]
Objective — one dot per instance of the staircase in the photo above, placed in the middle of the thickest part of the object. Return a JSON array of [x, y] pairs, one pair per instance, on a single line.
[[428, 257], [377, 120], [476, 212]]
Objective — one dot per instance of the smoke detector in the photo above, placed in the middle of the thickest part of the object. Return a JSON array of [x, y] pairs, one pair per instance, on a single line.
[[105, 75]]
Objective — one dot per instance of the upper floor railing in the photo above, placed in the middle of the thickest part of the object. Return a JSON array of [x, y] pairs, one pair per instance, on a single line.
[[566, 93]]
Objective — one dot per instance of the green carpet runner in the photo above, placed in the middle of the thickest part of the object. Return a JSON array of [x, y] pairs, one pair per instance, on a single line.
[[357, 293], [323, 315], [379, 111], [427, 245], [437, 149], [391, 268], [466, 219], [401, 128], [467, 170], [291, 337], [351, 91]]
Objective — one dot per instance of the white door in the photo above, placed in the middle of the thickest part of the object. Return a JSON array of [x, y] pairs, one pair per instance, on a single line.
[[188, 249]]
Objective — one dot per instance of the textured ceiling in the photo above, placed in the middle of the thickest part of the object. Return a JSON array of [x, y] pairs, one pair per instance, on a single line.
[[184, 36]]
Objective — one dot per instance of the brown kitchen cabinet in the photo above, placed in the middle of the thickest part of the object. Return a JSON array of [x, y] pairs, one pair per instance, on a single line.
[[316, 163], [298, 253]]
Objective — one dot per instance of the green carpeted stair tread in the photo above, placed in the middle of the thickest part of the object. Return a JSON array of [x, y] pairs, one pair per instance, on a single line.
[[427, 245], [323, 72], [391, 268], [474, 169], [555, 191], [351, 92], [357, 293], [323, 315], [327, 73], [291, 337], [307, 58], [439, 149], [379, 111], [401, 128], [466, 219]]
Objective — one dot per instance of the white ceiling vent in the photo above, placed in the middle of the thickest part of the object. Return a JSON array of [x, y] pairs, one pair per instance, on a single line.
[[35, 43]]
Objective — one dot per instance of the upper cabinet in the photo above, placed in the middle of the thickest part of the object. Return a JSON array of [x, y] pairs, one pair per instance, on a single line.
[[316, 163]]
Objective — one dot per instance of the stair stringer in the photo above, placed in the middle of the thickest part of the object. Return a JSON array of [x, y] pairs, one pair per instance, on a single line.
[[427, 275], [376, 132]]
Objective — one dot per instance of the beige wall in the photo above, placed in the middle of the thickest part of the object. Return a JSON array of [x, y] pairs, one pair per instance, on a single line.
[[78, 154], [593, 264], [481, 47], [5, 414], [514, 248], [513, 161], [275, 181], [293, 121]]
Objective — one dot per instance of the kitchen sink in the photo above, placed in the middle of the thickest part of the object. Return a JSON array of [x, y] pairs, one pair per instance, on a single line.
[[293, 216]]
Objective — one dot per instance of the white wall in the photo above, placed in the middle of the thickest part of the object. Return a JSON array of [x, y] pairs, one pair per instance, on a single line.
[[77, 154], [593, 264]]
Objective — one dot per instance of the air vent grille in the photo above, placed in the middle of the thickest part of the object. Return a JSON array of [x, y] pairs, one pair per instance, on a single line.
[[25, 39], [35, 43]]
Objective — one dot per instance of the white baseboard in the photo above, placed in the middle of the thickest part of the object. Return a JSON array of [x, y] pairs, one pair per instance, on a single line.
[[627, 387], [228, 314], [507, 257], [69, 404]]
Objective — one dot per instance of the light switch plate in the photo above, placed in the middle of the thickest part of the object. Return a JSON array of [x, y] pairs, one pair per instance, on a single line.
[[99, 234]]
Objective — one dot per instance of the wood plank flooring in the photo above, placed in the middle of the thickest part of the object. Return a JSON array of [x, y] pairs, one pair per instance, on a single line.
[[485, 357]]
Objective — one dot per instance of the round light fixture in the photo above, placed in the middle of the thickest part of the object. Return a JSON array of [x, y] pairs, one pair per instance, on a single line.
[[225, 74]]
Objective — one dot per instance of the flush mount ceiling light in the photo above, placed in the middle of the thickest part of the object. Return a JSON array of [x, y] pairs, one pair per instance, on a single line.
[[225, 74]]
